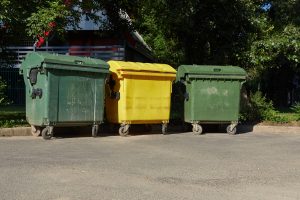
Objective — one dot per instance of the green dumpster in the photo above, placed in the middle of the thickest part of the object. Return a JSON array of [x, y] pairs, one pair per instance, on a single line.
[[212, 95], [63, 90]]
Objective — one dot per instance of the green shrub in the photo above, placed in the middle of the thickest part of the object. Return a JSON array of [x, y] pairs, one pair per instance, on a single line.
[[259, 108], [296, 109], [12, 116], [8, 123], [3, 99]]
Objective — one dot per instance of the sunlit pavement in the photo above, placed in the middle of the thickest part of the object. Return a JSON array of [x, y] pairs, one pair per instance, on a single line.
[[152, 166]]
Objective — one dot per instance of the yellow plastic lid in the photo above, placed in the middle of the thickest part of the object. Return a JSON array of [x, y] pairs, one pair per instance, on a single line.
[[138, 66]]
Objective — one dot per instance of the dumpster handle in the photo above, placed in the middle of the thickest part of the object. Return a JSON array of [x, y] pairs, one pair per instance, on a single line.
[[115, 95], [186, 96], [182, 80], [34, 92], [27, 78], [111, 84], [78, 62]]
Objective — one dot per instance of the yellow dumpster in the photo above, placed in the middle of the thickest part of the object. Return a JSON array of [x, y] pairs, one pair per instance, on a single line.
[[138, 93]]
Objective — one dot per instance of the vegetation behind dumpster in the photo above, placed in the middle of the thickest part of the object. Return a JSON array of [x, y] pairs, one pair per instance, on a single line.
[[3, 98], [258, 108], [9, 116], [261, 36], [12, 116], [296, 108]]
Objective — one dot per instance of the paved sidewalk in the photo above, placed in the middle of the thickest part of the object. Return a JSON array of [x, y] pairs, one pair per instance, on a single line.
[[179, 166]]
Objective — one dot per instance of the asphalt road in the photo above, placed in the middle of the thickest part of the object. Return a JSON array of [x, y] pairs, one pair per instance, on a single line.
[[176, 166]]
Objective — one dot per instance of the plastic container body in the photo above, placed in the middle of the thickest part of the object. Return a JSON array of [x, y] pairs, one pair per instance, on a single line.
[[212, 93], [63, 90], [139, 93]]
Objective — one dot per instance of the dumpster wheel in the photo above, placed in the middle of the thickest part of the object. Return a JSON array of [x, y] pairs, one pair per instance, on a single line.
[[124, 130], [95, 129], [47, 132], [231, 130], [164, 128], [36, 130], [197, 129]]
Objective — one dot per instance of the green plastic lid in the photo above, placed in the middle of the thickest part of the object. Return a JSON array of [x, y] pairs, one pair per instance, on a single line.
[[185, 71], [58, 61]]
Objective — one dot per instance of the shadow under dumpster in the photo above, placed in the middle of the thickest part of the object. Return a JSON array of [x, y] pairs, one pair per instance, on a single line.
[[211, 128], [106, 130]]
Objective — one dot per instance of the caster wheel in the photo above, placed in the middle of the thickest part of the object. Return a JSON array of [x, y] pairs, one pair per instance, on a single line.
[[47, 132], [197, 129], [230, 130], [124, 130], [95, 129], [164, 129], [36, 130]]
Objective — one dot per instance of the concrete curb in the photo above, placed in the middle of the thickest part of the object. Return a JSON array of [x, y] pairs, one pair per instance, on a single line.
[[18, 131], [26, 131], [268, 129]]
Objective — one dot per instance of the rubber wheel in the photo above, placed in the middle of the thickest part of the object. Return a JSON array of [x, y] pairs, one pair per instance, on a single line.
[[124, 130], [95, 129], [164, 129], [47, 133], [229, 131], [36, 130], [197, 129]]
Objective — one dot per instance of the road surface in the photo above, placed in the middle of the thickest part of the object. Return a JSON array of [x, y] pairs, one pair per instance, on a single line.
[[152, 166]]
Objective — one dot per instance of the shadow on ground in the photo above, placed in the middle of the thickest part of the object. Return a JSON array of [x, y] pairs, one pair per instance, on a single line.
[[112, 130]]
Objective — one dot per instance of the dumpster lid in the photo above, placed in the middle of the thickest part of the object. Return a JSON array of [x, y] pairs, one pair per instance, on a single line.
[[37, 58], [137, 66], [214, 70]]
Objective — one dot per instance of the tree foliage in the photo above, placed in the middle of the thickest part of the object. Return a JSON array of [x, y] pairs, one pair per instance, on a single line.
[[198, 31], [255, 34], [241, 32], [32, 18], [278, 44], [49, 12]]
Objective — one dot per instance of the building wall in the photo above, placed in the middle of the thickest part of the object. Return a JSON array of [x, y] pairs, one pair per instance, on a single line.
[[78, 43]]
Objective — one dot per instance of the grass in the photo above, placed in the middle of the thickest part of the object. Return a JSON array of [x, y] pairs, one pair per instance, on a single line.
[[290, 116], [12, 116], [287, 117]]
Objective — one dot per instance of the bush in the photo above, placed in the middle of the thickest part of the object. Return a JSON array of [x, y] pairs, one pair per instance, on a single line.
[[296, 109], [3, 99], [9, 123], [260, 109]]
